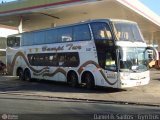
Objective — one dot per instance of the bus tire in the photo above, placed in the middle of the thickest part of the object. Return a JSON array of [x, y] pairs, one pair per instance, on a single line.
[[72, 79], [20, 74], [89, 79], [27, 75]]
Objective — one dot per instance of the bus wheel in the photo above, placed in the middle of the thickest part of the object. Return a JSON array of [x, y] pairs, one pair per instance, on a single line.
[[72, 79], [20, 74], [27, 75], [89, 79]]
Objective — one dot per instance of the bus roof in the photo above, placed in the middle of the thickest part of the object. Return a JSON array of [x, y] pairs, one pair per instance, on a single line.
[[78, 23], [122, 20]]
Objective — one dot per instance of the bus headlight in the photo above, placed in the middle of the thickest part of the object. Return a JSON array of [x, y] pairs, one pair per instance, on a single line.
[[125, 76]]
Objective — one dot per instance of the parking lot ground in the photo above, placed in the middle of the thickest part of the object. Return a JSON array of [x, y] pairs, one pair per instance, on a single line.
[[147, 95]]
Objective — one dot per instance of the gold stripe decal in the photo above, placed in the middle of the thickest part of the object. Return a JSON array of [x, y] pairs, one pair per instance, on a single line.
[[42, 71], [54, 73], [104, 76], [45, 71], [38, 74], [20, 54], [87, 63]]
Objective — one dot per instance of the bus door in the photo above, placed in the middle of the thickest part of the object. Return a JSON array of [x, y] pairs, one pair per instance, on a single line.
[[106, 51], [111, 66], [107, 59]]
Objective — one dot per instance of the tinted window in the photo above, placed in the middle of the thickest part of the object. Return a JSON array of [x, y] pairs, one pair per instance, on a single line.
[[53, 59], [61, 59], [101, 31], [39, 38], [27, 39], [51, 36], [72, 60], [65, 34], [81, 32]]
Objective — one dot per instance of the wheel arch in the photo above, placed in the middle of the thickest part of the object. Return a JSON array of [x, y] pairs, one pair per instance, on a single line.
[[27, 69], [27, 75], [84, 74], [70, 72]]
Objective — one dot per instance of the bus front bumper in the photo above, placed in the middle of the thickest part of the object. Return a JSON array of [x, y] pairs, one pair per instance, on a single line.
[[133, 83]]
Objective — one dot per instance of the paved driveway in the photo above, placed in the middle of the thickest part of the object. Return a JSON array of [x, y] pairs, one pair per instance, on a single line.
[[149, 94]]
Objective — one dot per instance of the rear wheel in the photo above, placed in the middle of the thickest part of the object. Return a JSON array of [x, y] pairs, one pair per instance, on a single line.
[[90, 84], [73, 80], [20, 74], [27, 75]]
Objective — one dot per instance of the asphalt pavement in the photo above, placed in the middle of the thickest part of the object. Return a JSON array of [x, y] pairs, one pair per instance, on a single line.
[[41, 108], [41, 100], [144, 95]]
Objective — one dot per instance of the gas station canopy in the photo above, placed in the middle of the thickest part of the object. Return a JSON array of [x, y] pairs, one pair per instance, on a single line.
[[38, 14]]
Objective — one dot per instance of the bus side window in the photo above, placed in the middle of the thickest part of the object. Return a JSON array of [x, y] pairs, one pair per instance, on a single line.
[[61, 59], [46, 60], [101, 31], [65, 34], [72, 60], [54, 61], [51, 36], [81, 33]]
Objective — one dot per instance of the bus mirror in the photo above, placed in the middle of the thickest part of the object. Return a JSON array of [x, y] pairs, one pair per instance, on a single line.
[[155, 51], [157, 54]]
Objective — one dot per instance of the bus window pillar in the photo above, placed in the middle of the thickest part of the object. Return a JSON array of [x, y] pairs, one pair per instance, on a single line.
[[20, 27]]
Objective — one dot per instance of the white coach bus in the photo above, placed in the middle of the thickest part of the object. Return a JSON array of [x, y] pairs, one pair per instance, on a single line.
[[103, 52]]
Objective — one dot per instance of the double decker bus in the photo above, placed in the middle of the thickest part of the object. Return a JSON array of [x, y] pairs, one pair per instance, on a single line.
[[101, 52]]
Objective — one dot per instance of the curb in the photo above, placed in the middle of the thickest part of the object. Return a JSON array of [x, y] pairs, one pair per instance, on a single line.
[[89, 100]]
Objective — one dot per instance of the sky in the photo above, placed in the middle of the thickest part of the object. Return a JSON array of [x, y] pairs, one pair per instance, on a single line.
[[154, 5]]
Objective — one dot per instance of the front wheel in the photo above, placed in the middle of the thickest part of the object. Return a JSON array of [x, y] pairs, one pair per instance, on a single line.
[[90, 84], [20, 74], [73, 80]]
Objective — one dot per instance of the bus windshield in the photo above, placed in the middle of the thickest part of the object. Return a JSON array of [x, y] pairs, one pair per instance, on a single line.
[[126, 31], [133, 59]]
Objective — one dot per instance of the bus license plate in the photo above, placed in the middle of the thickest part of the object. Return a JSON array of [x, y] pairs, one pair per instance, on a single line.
[[138, 83]]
